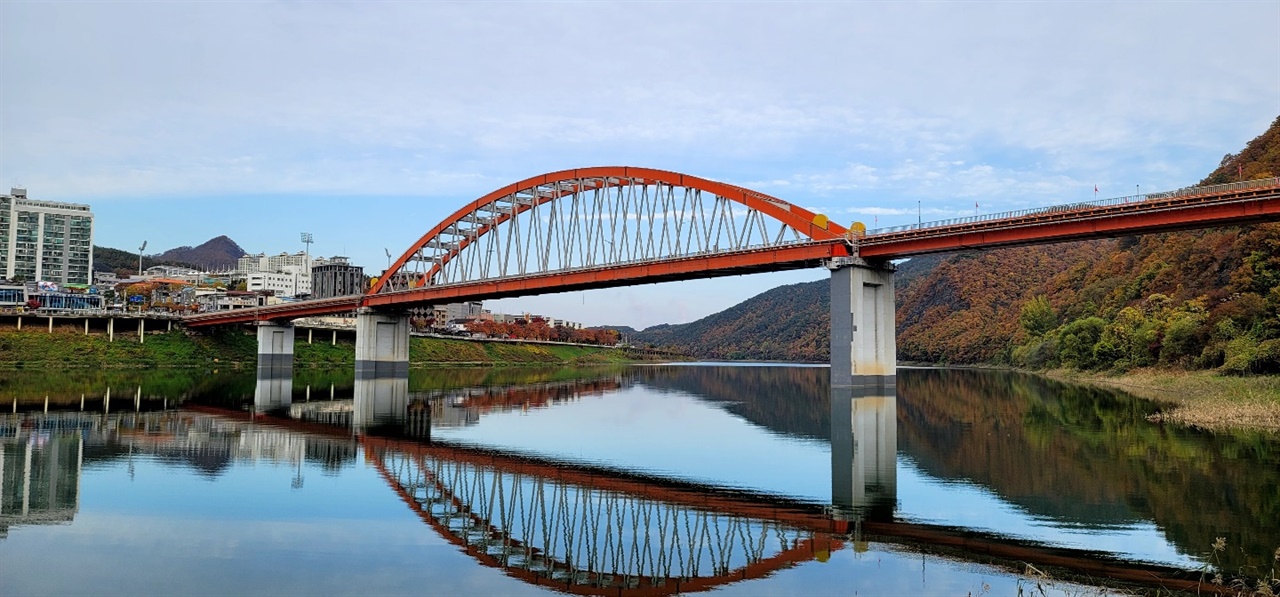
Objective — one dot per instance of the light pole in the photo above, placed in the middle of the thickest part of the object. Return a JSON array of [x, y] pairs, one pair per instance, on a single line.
[[306, 264], [140, 250]]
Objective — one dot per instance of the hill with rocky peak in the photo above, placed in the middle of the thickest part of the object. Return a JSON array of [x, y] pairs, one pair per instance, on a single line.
[[216, 253]]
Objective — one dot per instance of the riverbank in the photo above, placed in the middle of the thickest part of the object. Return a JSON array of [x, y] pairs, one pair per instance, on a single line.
[[1202, 399], [37, 349]]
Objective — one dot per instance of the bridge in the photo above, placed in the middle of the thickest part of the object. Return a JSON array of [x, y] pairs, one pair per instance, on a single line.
[[616, 226]]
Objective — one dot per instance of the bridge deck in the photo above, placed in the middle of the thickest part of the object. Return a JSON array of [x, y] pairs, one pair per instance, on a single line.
[[1221, 205]]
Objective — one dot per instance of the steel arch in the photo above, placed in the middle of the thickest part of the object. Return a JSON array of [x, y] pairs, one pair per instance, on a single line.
[[647, 220]]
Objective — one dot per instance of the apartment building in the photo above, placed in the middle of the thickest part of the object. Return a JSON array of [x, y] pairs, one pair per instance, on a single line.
[[45, 240]]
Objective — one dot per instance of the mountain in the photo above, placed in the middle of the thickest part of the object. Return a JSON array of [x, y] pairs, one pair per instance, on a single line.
[[1205, 298], [216, 253], [220, 252], [787, 323]]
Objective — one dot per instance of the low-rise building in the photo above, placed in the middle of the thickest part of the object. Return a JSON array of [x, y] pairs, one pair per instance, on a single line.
[[226, 300], [285, 284]]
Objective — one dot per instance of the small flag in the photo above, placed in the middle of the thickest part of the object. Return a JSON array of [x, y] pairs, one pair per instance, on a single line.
[[1240, 170], [1095, 189]]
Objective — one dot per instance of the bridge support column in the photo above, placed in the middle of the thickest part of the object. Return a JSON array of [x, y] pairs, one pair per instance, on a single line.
[[275, 345], [863, 337], [864, 362], [382, 344], [274, 389], [382, 372]]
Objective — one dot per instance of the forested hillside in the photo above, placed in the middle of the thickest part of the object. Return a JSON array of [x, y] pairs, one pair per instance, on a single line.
[[106, 259], [1200, 299]]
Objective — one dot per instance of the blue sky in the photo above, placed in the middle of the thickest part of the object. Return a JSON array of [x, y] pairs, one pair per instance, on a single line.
[[367, 123]]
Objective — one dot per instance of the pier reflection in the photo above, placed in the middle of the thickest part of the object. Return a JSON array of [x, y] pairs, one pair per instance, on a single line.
[[864, 451], [382, 405], [273, 390]]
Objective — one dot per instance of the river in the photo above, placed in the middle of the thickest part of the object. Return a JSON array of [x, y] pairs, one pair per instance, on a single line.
[[647, 479]]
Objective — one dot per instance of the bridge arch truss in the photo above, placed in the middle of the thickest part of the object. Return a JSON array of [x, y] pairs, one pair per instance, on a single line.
[[594, 218]]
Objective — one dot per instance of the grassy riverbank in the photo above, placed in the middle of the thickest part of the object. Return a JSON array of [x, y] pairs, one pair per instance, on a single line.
[[1201, 399], [30, 349]]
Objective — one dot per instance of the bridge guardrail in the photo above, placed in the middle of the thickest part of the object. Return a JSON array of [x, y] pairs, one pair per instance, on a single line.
[[1128, 199]]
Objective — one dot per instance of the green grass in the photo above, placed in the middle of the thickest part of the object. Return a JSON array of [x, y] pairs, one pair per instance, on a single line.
[[35, 348], [1203, 399]]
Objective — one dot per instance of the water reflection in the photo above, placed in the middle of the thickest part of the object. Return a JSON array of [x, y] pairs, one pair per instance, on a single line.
[[39, 479], [864, 452], [273, 390], [575, 528], [1020, 456]]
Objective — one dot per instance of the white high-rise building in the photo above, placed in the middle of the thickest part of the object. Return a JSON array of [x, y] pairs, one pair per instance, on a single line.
[[284, 274], [45, 240]]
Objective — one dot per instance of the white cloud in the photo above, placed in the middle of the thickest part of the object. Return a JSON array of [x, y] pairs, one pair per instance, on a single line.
[[848, 105]]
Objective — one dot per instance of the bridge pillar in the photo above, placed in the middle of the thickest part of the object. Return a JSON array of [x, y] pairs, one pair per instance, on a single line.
[[382, 344], [274, 389], [382, 372], [863, 337], [275, 344]]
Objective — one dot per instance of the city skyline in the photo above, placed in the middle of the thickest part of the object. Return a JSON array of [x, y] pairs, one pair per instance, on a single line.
[[346, 122]]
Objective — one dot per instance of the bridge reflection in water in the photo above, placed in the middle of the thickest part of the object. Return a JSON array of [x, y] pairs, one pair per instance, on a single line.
[[577, 528], [584, 532]]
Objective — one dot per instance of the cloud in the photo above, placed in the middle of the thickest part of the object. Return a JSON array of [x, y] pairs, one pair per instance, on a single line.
[[161, 96], [852, 107]]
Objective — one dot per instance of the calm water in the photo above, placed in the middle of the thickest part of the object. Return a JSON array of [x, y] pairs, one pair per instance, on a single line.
[[651, 479]]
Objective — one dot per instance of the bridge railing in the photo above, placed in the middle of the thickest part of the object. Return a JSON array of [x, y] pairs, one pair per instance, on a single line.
[[1128, 199]]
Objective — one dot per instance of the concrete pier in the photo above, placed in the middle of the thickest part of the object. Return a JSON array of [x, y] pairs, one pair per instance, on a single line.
[[275, 345], [863, 336], [382, 344]]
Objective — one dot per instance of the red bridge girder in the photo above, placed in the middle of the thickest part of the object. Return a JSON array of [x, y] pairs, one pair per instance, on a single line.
[[709, 266], [1228, 207], [1241, 203]]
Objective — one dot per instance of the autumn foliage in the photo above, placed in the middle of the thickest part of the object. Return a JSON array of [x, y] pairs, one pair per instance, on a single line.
[[538, 329], [1202, 299]]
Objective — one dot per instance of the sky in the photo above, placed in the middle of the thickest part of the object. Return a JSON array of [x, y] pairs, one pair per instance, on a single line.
[[367, 123]]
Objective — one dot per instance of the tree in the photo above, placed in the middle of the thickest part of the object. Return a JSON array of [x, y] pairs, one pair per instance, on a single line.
[[1038, 316]]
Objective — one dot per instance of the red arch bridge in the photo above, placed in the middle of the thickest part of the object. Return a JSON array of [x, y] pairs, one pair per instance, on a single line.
[[618, 226]]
